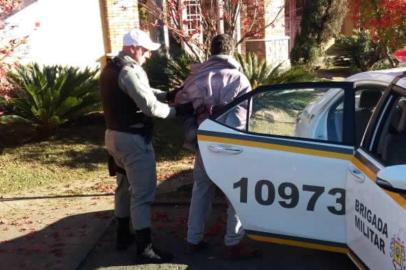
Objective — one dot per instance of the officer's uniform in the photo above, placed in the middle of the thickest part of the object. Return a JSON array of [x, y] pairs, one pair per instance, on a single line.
[[128, 103]]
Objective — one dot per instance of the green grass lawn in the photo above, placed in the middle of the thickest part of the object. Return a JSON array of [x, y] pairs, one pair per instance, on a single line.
[[76, 154]]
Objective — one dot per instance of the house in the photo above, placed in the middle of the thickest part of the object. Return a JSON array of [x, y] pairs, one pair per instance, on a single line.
[[82, 33], [69, 32], [279, 25]]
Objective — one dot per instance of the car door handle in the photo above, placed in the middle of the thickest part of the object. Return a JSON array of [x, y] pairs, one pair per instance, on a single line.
[[225, 149], [359, 176]]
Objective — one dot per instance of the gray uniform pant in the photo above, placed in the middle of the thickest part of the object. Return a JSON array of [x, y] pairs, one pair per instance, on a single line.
[[136, 191], [201, 206]]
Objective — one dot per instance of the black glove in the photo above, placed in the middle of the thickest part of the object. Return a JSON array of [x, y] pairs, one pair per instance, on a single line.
[[170, 95], [184, 109]]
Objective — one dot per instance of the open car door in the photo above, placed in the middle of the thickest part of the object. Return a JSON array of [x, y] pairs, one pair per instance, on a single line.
[[286, 185], [376, 188]]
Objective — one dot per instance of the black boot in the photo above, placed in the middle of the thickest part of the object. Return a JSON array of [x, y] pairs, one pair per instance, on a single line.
[[146, 253], [124, 237]]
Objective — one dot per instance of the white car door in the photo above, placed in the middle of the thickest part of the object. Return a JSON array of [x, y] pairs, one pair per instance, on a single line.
[[285, 189], [376, 217]]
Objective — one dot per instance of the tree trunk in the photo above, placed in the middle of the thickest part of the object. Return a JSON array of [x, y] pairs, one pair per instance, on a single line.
[[321, 21]]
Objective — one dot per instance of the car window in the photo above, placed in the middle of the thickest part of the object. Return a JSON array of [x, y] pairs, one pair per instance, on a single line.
[[335, 121], [391, 147], [278, 112], [300, 113], [236, 117], [366, 100]]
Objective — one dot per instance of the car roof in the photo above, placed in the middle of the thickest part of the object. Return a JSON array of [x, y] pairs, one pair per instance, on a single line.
[[383, 76]]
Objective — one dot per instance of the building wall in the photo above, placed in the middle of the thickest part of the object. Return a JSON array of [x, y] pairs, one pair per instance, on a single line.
[[276, 42], [120, 16], [255, 43], [66, 32], [270, 44]]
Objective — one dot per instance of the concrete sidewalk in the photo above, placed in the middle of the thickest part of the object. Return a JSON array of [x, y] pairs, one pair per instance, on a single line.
[[57, 231], [51, 233]]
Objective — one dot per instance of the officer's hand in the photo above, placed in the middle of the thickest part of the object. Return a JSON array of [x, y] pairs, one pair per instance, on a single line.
[[184, 109], [170, 95]]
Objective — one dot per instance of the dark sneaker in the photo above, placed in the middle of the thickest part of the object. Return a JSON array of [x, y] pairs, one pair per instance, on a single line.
[[240, 252], [194, 248], [153, 255]]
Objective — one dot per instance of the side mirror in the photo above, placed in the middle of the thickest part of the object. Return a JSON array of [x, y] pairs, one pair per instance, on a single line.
[[393, 178]]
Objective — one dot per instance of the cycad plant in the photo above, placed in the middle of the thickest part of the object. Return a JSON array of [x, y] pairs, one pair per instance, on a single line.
[[260, 73], [257, 71], [49, 96], [292, 75]]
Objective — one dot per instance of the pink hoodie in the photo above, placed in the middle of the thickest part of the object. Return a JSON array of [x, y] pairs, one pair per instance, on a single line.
[[217, 81]]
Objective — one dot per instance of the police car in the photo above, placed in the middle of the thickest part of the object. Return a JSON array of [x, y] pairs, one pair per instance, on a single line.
[[322, 118], [318, 165]]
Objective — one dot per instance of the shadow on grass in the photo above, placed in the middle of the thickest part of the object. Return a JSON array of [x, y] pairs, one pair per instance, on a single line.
[[81, 145], [88, 158]]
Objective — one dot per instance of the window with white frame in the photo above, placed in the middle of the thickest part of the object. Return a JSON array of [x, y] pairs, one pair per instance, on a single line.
[[193, 16]]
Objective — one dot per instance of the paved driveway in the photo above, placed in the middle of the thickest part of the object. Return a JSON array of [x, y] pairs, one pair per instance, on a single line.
[[169, 219]]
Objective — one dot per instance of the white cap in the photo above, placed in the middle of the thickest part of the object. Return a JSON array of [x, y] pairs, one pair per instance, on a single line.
[[137, 37]]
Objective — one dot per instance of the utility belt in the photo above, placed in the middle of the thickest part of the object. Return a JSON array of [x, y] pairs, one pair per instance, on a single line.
[[145, 131]]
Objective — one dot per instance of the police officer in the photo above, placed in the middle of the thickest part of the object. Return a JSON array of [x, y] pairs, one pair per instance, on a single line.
[[129, 104]]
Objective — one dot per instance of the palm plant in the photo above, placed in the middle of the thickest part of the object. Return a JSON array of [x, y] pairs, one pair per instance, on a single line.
[[292, 75], [260, 73], [49, 96], [257, 71], [287, 101]]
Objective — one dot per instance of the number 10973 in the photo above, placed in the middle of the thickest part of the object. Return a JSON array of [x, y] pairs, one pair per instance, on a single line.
[[287, 195]]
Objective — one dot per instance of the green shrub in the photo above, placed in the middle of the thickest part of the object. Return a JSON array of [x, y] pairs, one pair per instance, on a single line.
[[178, 69], [361, 49], [321, 21], [257, 71], [260, 73], [49, 96], [292, 75], [290, 102], [155, 68]]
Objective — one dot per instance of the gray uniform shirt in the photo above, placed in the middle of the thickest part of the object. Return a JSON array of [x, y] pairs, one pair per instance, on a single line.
[[134, 82]]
